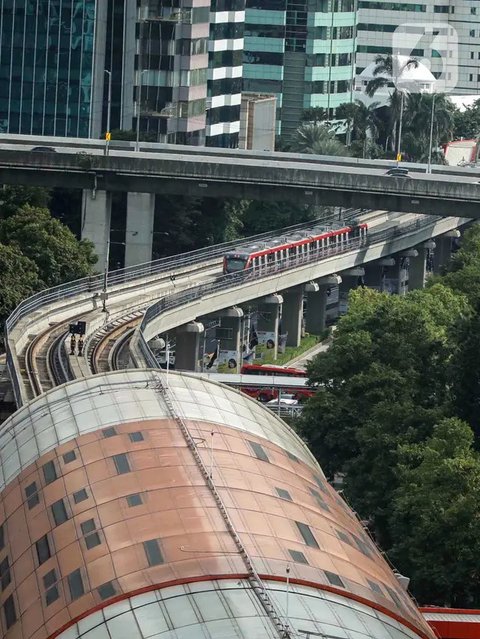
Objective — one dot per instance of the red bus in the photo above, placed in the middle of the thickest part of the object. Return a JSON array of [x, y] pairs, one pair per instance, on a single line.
[[266, 394]]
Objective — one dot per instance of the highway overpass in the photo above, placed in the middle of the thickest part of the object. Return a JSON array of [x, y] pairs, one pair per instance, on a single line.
[[243, 174]]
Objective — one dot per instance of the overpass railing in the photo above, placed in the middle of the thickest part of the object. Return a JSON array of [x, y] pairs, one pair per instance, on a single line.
[[133, 274], [185, 297]]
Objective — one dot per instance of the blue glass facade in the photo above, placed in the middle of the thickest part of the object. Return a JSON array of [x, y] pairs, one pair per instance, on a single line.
[[47, 66]]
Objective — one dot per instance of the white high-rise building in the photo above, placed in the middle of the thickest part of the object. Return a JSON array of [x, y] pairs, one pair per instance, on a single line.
[[444, 35]]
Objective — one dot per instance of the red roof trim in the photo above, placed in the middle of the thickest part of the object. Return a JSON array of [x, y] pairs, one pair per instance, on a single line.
[[178, 582]]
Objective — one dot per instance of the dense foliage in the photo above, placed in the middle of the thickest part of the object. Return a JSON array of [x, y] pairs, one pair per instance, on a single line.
[[372, 131], [36, 250], [397, 412]]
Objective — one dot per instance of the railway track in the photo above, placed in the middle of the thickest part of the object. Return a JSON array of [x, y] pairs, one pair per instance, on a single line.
[[103, 349]]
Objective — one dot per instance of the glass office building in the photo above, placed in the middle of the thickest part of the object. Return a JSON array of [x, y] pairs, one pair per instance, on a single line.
[[48, 60], [303, 52]]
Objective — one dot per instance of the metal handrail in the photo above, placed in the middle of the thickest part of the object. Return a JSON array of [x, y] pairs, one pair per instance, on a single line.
[[238, 279]]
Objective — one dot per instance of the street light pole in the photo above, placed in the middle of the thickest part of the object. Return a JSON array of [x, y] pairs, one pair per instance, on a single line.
[[430, 144], [109, 110], [139, 108], [399, 141], [105, 267]]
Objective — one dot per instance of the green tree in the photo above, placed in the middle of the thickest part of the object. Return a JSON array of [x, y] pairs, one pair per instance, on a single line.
[[314, 114], [259, 217], [317, 139], [382, 383], [18, 279], [467, 122], [14, 197], [434, 517], [363, 123], [463, 269], [131, 135], [58, 255]]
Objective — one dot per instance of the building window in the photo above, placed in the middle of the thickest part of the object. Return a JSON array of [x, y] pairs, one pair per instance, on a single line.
[[307, 535], [472, 33], [298, 557], [90, 534], [51, 588], [258, 451], [319, 499], [109, 432], [80, 495], [69, 457], [2, 536], [470, 77], [31, 493], [375, 587], [9, 612], [136, 436], [134, 500], [49, 472], [5, 578], [362, 546], [59, 512], [284, 494], [107, 590], [43, 549], [121, 463], [320, 483], [75, 584], [344, 537], [153, 552], [334, 579], [472, 55]]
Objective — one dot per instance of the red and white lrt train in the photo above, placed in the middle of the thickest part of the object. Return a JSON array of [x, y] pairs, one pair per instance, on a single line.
[[306, 246]]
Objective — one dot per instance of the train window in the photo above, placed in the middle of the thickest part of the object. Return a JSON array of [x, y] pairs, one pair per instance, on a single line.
[[271, 258], [292, 251]]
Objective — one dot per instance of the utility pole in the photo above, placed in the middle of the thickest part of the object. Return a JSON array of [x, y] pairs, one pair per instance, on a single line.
[[108, 134]]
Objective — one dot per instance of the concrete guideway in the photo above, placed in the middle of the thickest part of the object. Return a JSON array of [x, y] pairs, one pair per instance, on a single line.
[[168, 314], [142, 288], [272, 178]]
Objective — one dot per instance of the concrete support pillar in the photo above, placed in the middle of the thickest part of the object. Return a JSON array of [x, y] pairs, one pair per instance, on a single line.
[[351, 278], [187, 349], [441, 253], [292, 315], [230, 340], [96, 213], [417, 270], [139, 234], [269, 311], [376, 272], [443, 249], [404, 261], [317, 298]]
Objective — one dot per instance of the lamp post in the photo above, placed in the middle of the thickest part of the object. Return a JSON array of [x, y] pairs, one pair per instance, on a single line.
[[105, 269], [399, 141], [430, 144], [109, 110], [139, 108]]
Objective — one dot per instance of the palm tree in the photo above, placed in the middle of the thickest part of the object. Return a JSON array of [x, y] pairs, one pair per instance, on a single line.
[[317, 139], [419, 112], [363, 121], [388, 70]]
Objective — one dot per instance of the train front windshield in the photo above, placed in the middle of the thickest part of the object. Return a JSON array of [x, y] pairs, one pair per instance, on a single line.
[[235, 263]]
